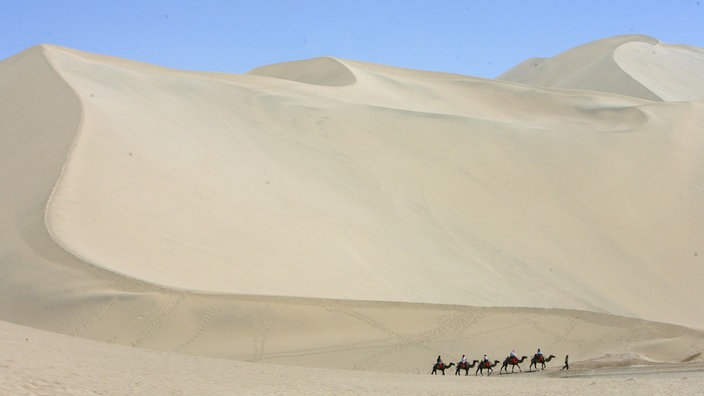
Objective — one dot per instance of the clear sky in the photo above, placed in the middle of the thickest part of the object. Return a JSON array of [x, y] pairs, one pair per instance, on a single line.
[[481, 38]]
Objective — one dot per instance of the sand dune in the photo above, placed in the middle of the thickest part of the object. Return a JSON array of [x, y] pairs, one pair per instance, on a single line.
[[330, 210], [633, 65]]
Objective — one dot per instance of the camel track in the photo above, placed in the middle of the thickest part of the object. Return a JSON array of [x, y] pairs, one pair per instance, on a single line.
[[202, 326], [95, 317], [262, 328], [151, 321]]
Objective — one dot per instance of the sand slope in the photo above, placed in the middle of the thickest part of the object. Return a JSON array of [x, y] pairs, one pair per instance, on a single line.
[[324, 208], [633, 65]]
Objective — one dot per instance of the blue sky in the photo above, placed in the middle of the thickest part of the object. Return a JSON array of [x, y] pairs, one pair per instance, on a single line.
[[478, 38]]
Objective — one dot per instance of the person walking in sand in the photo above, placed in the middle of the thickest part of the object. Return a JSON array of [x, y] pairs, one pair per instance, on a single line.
[[567, 365]]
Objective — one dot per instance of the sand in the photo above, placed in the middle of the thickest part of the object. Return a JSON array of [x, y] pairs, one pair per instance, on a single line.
[[36, 362], [329, 225]]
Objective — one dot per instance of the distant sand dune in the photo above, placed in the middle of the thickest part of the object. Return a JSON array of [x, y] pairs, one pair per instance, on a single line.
[[633, 65], [319, 71], [330, 210], [649, 63]]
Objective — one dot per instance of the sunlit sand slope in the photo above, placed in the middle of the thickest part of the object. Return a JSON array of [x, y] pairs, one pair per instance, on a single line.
[[633, 65], [329, 206]]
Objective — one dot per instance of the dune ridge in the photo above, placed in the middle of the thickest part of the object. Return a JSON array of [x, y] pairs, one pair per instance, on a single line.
[[393, 214], [632, 65], [324, 71], [644, 61]]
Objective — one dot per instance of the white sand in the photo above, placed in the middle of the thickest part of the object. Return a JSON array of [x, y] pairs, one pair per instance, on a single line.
[[329, 213]]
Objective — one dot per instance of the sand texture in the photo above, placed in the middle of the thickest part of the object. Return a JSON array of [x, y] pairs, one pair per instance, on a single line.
[[331, 226]]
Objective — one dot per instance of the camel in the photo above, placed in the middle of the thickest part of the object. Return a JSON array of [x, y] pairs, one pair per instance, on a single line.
[[486, 365], [513, 361], [442, 367], [539, 359], [465, 366]]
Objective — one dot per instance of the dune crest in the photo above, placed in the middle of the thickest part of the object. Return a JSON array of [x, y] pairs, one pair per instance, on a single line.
[[324, 71], [633, 65], [673, 73]]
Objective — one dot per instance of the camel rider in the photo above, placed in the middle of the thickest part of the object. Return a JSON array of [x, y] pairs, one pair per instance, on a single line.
[[439, 360], [485, 358], [539, 355], [512, 354], [463, 360]]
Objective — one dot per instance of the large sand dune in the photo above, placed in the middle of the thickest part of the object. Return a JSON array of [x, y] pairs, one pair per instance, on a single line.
[[329, 210]]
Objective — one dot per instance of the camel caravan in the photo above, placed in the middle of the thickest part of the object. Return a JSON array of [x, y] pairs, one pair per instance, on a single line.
[[485, 364]]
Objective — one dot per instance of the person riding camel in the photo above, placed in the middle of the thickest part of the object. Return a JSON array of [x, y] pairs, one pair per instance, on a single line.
[[485, 360], [440, 361], [463, 361], [539, 355], [513, 356]]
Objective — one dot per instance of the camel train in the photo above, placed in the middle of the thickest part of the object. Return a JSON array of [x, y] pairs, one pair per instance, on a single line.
[[485, 364]]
